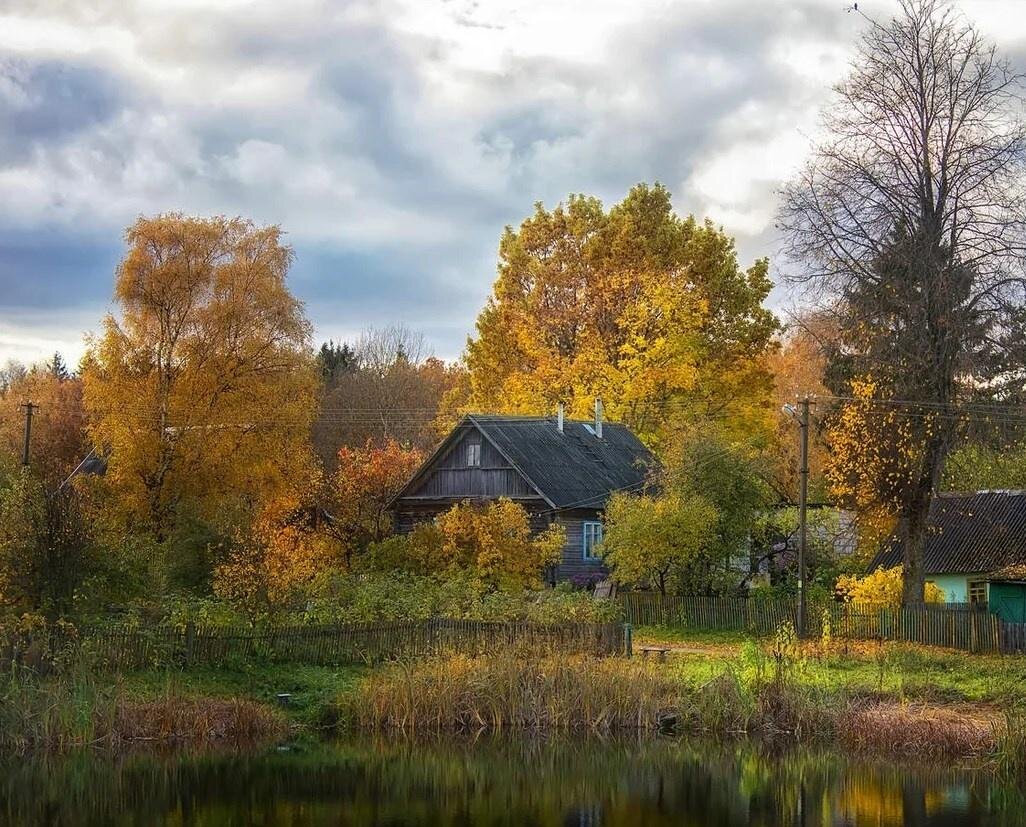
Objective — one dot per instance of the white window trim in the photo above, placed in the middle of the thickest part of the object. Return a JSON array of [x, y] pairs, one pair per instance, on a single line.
[[595, 528], [473, 455]]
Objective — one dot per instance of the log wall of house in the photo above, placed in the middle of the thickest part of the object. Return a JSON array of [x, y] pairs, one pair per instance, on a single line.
[[573, 562]]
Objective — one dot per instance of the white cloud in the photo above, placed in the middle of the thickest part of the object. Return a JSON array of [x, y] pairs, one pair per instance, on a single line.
[[392, 140]]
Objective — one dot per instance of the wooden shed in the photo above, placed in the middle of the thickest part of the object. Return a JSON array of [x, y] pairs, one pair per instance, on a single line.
[[975, 550], [560, 471]]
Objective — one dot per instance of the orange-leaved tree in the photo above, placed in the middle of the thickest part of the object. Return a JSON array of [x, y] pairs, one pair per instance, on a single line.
[[365, 483], [58, 439], [203, 390], [270, 562]]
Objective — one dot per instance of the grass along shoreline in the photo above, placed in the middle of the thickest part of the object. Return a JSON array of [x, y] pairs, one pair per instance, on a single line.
[[889, 699], [496, 694]]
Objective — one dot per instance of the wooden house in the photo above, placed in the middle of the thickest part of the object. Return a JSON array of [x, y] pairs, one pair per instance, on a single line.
[[560, 471], [975, 550]]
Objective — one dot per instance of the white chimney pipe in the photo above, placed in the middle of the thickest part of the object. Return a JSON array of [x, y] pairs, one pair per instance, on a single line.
[[559, 417], [598, 417]]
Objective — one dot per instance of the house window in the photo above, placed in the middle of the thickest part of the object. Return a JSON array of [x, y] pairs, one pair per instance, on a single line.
[[977, 591], [591, 537], [473, 454]]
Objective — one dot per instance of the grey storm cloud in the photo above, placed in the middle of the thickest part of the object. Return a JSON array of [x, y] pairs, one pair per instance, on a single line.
[[48, 101], [392, 140]]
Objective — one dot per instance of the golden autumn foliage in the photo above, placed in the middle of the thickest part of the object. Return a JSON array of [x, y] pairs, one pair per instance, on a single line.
[[875, 453], [494, 541], [270, 563], [203, 390], [882, 586], [654, 541], [799, 368], [637, 306], [59, 440]]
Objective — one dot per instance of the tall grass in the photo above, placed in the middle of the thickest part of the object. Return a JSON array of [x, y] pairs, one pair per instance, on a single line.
[[496, 693], [765, 699], [65, 711], [461, 693]]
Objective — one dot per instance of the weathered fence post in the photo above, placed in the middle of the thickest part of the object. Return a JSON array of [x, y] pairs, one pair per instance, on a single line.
[[628, 639]]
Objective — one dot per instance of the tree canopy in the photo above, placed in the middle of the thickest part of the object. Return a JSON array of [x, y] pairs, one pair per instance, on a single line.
[[910, 218], [648, 311], [203, 390]]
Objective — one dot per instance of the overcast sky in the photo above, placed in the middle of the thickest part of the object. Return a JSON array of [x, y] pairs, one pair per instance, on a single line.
[[392, 141]]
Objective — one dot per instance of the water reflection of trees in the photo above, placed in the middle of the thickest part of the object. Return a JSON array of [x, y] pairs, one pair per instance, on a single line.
[[546, 782]]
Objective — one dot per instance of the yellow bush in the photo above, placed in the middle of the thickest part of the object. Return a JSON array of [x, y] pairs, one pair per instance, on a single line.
[[881, 586]]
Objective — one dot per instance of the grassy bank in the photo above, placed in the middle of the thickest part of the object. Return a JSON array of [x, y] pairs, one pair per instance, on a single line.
[[60, 713], [893, 700], [83, 708], [906, 672]]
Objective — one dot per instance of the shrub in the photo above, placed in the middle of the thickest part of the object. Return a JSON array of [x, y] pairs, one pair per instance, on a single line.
[[495, 542], [368, 597], [882, 586]]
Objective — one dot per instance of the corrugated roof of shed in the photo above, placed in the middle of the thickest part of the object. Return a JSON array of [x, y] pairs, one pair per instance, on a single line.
[[970, 533]]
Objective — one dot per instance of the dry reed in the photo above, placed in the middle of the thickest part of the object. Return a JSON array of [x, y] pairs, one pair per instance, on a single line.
[[461, 693], [920, 730], [175, 718]]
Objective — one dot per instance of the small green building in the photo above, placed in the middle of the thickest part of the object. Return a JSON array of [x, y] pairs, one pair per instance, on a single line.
[[975, 551], [1006, 594]]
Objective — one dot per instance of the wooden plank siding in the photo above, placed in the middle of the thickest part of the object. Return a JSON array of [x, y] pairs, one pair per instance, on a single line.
[[557, 477], [451, 478], [573, 563]]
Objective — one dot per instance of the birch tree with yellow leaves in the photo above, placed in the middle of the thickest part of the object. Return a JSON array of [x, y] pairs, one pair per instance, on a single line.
[[202, 389]]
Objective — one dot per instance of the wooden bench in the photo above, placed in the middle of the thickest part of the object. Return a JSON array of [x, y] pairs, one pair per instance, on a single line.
[[660, 650]]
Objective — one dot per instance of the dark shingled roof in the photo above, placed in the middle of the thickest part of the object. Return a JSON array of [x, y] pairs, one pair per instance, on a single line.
[[574, 468], [970, 533]]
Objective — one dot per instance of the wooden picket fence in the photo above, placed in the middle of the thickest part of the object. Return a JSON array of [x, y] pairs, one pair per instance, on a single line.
[[124, 648], [1013, 637], [733, 614], [955, 626]]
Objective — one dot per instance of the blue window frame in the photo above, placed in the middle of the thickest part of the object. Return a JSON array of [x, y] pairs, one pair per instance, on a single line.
[[591, 536]]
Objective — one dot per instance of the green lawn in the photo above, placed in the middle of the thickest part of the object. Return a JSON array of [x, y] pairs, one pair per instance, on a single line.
[[313, 688], [699, 638], [902, 670]]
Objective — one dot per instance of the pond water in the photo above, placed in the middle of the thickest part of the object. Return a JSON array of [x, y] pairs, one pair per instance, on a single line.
[[498, 782]]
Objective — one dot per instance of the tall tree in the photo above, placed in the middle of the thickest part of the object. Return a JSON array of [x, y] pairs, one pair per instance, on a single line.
[[392, 389], [333, 360], [362, 490], [911, 215], [647, 310], [203, 392], [799, 368], [57, 367]]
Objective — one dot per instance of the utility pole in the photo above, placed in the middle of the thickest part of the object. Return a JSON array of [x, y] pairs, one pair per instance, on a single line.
[[29, 408], [803, 503], [801, 414]]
